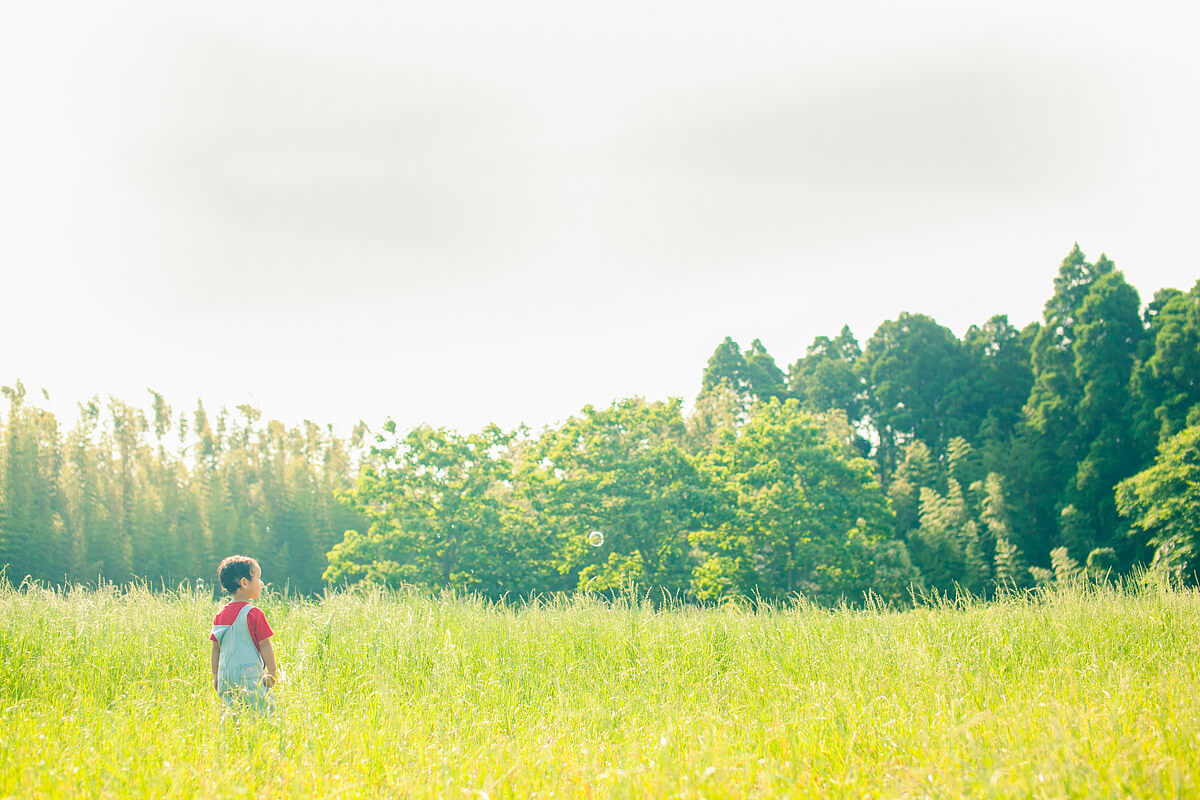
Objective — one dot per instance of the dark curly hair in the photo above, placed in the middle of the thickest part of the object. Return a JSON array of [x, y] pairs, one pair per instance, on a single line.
[[231, 571]]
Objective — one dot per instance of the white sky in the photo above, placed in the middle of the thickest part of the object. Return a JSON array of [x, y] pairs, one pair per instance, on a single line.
[[465, 212]]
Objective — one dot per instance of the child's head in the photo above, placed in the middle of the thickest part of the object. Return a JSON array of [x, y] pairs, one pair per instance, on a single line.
[[240, 572]]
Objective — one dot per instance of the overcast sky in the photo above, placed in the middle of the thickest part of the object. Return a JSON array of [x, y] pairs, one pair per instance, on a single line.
[[461, 212]]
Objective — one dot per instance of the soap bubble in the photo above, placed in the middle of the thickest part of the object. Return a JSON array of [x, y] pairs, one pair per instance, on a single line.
[[595, 538]]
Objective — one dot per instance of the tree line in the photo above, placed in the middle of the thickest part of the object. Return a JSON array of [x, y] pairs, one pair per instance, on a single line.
[[128, 493], [916, 461]]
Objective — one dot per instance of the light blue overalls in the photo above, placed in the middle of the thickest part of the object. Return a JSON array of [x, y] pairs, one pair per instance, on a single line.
[[240, 670]]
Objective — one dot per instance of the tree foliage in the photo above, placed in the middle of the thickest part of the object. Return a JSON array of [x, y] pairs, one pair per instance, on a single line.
[[914, 367], [1163, 501], [624, 471], [1166, 382], [1008, 457], [806, 512], [128, 493], [440, 516]]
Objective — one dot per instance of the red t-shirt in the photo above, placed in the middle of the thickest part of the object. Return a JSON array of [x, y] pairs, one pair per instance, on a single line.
[[256, 621]]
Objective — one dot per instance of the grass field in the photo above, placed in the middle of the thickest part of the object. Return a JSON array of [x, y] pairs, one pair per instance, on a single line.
[[1072, 693]]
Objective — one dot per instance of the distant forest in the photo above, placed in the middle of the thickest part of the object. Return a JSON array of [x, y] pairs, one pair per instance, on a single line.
[[917, 461]]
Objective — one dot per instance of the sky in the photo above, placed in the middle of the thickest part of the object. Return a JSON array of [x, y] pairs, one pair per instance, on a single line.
[[471, 212]]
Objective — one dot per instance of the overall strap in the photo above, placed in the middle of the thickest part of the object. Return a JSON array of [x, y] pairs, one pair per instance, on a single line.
[[242, 615]]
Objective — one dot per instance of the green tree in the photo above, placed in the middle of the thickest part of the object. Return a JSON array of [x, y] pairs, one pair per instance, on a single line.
[[715, 411], [957, 537], [623, 471], [911, 364], [809, 515], [134, 508], [1008, 563], [916, 471], [753, 376], [1049, 441], [999, 377], [828, 377], [726, 365], [115, 498], [93, 546], [1108, 333], [947, 546], [435, 502], [33, 537], [1166, 383], [170, 524], [765, 379], [1055, 393], [1163, 503]]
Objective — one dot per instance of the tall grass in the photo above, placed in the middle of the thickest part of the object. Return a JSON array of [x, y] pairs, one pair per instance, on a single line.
[[1083, 692]]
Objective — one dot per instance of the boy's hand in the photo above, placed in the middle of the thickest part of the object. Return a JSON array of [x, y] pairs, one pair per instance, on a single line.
[[268, 656]]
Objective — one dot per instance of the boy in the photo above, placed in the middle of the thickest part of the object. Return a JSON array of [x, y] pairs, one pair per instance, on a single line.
[[243, 661]]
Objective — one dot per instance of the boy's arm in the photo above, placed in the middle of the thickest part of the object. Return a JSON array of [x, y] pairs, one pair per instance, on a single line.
[[268, 657], [215, 660]]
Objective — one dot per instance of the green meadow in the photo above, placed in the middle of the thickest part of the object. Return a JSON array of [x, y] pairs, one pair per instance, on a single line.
[[1076, 692]]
